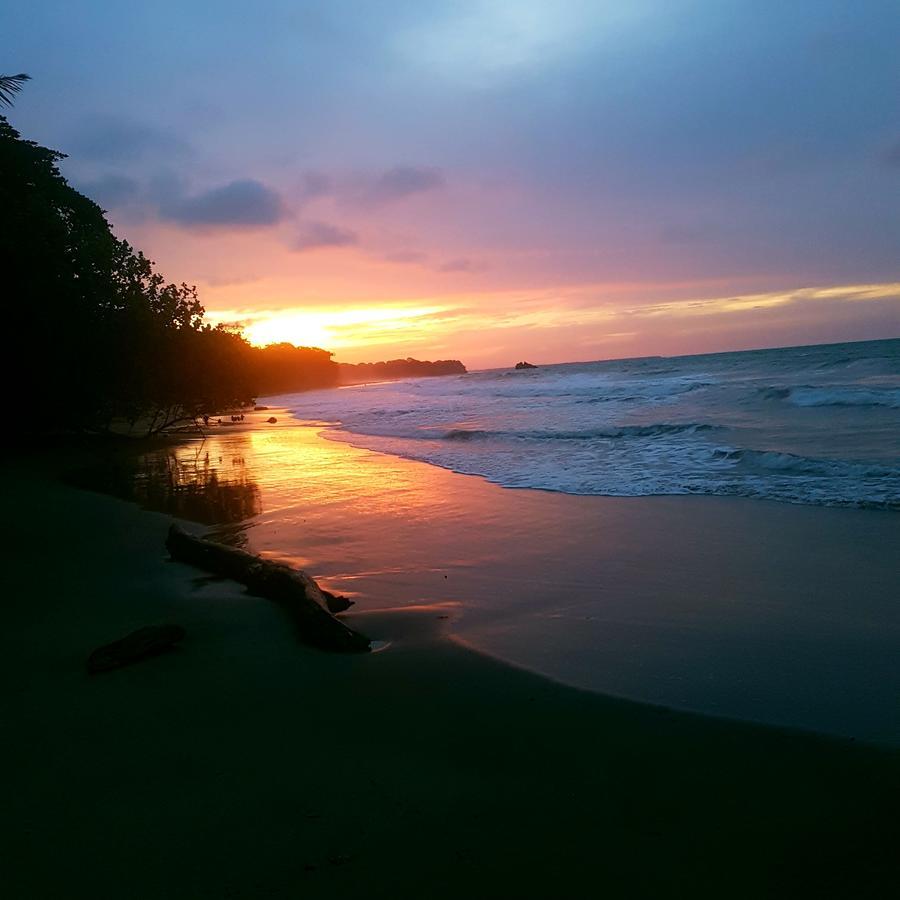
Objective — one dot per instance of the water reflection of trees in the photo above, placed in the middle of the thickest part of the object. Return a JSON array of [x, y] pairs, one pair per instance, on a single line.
[[188, 483], [196, 487]]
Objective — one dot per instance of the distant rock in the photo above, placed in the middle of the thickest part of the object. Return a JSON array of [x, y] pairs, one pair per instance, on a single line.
[[271, 420], [260, 408], [525, 365], [141, 644]]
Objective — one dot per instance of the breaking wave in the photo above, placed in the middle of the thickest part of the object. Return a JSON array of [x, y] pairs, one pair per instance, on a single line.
[[802, 425], [470, 434], [845, 396]]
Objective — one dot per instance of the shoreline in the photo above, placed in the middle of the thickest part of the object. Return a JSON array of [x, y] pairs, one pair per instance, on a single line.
[[246, 765], [753, 611], [256, 767]]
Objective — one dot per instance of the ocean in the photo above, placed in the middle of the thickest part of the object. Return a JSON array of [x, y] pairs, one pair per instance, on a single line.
[[765, 588], [809, 425]]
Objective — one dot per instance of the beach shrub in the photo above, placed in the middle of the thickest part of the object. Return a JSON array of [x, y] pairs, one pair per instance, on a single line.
[[102, 338]]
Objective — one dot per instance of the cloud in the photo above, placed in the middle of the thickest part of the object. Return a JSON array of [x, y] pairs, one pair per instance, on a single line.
[[402, 181], [242, 203], [462, 264], [316, 235], [117, 139], [417, 257], [110, 191], [855, 293], [406, 257], [315, 184], [368, 189], [216, 280]]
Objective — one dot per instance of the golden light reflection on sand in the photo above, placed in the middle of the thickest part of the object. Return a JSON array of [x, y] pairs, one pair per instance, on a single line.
[[300, 476], [329, 473], [640, 597], [357, 519]]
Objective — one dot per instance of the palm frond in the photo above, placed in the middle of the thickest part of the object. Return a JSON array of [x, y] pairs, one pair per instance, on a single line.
[[10, 85]]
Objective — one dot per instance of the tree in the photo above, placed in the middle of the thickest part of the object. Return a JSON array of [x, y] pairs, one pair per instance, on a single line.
[[10, 85], [102, 339], [101, 335]]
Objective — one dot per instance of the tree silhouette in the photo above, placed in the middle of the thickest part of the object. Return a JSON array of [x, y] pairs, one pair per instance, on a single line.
[[95, 338], [101, 337], [10, 85]]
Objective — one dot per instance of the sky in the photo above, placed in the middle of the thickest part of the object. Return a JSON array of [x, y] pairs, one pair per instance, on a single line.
[[548, 180]]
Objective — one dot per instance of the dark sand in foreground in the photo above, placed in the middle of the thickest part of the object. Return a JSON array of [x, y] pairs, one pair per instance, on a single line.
[[245, 765]]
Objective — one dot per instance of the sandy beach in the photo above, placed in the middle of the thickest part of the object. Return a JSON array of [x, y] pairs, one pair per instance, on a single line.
[[454, 451], [245, 765], [770, 612]]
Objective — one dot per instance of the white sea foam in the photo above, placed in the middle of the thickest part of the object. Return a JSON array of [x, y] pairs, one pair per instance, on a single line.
[[840, 395], [803, 425]]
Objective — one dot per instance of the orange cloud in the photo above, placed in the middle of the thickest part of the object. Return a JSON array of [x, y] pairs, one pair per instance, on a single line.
[[559, 325]]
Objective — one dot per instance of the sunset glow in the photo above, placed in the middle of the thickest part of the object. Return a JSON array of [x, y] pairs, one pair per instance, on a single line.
[[467, 181], [570, 324], [453, 450], [334, 329]]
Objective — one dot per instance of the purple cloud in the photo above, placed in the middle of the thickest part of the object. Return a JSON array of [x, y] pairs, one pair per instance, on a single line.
[[118, 139], [244, 203], [316, 235], [462, 264], [406, 257], [403, 181], [110, 191], [316, 184]]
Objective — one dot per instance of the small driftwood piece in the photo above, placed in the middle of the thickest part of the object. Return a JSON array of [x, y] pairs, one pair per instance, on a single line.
[[151, 640], [304, 601]]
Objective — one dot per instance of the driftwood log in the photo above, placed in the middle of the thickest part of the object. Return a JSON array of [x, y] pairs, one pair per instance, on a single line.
[[303, 600]]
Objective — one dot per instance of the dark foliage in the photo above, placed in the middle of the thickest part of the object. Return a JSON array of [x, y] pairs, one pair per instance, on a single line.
[[399, 368], [105, 343], [102, 337], [282, 368], [10, 85]]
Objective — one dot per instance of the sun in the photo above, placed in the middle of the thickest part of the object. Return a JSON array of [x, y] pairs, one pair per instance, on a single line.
[[302, 329], [334, 329]]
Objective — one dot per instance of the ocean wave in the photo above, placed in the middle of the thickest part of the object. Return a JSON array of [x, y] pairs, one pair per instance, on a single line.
[[773, 461], [845, 396], [774, 393], [659, 468], [725, 425], [625, 431], [840, 362], [834, 395], [577, 386]]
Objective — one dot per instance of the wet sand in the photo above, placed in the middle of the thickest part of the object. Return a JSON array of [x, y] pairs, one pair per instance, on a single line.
[[245, 765], [763, 611]]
